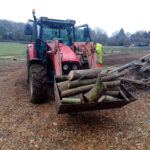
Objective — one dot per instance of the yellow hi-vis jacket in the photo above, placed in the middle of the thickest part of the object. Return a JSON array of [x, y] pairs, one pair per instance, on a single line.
[[99, 52]]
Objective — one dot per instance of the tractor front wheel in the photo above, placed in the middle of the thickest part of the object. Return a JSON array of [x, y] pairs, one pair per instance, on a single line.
[[37, 83]]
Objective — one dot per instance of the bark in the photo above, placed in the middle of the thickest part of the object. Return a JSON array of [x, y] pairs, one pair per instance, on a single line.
[[77, 83], [78, 96], [61, 78], [111, 98], [96, 92], [112, 83], [137, 82], [121, 68], [62, 86], [112, 77], [77, 90], [122, 94], [112, 93], [71, 100], [87, 74]]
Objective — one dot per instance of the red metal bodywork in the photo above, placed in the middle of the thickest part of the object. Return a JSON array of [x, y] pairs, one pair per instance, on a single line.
[[67, 53], [53, 49], [60, 52], [88, 49], [31, 51]]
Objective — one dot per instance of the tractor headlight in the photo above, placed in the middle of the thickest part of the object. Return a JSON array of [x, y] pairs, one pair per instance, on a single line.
[[74, 67], [65, 67]]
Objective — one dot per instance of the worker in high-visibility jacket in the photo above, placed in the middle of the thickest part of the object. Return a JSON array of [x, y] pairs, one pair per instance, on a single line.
[[99, 54]]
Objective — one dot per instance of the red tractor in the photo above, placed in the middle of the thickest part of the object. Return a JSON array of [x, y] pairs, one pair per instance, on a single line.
[[57, 47]]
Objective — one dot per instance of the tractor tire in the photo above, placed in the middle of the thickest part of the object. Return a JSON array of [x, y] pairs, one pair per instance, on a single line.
[[38, 88]]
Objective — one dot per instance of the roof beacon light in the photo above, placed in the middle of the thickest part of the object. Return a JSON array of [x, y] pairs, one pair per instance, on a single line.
[[33, 10]]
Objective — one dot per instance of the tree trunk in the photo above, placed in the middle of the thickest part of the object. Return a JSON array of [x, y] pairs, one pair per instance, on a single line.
[[112, 83], [112, 93], [137, 82], [96, 92], [88, 73], [112, 77], [78, 96], [77, 83], [122, 94], [61, 78], [71, 100], [111, 98], [62, 86], [77, 90]]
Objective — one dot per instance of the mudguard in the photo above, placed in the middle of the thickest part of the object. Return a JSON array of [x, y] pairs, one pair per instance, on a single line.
[[31, 51]]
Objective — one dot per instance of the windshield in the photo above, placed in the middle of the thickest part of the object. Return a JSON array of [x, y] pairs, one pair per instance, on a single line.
[[62, 33], [82, 34]]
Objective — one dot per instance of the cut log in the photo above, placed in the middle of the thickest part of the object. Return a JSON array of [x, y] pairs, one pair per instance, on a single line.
[[71, 100], [111, 98], [101, 98], [138, 82], [87, 74], [77, 83], [122, 94], [78, 96], [112, 77], [112, 83], [62, 86], [78, 90], [112, 93], [121, 68], [61, 78], [96, 92]]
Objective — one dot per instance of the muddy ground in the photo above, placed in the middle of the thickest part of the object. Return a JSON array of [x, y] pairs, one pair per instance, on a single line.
[[26, 126], [122, 58]]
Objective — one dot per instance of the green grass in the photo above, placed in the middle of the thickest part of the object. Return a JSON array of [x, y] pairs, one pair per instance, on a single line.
[[11, 50], [121, 49]]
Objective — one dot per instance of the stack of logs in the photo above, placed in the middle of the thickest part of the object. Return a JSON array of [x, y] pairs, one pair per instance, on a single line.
[[88, 86]]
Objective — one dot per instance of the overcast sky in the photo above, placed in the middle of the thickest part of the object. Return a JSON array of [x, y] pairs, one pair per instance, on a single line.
[[110, 15]]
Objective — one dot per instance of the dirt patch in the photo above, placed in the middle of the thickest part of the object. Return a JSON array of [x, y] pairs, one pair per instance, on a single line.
[[28, 126], [122, 58]]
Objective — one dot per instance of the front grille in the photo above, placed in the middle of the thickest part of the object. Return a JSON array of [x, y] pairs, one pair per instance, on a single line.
[[70, 64]]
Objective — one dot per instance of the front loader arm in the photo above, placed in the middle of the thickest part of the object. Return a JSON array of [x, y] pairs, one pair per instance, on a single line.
[[88, 49], [54, 50]]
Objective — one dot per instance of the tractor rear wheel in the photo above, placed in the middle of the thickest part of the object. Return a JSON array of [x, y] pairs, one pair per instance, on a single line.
[[37, 83]]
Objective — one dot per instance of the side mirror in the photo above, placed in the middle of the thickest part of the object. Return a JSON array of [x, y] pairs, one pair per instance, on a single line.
[[28, 29], [86, 32]]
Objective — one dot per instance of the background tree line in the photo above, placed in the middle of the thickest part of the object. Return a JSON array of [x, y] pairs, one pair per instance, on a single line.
[[120, 38], [10, 30]]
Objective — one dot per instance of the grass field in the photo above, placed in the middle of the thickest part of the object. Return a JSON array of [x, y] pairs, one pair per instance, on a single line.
[[10, 50], [121, 49]]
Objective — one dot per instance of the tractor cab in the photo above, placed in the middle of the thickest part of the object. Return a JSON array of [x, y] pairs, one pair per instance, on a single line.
[[64, 31]]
